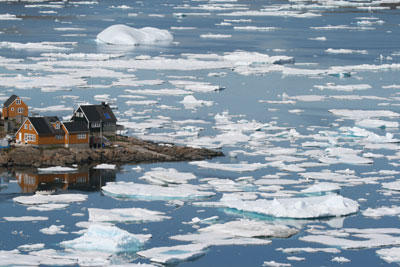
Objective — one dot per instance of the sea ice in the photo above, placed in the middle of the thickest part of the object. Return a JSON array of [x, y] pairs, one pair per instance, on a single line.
[[321, 187], [125, 215], [191, 102], [340, 259], [239, 167], [381, 211], [108, 239], [173, 254], [162, 176], [154, 192], [276, 264], [389, 254], [38, 199], [53, 230], [124, 35], [392, 185], [307, 208], [26, 218]]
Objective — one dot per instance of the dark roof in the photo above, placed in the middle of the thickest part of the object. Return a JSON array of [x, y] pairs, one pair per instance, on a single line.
[[76, 127], [10, 100], [101, 112], [43, 125]]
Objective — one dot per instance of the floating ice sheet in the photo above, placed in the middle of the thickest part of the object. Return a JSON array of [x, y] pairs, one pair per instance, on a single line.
[[38, 199], [25, 218], [154, 192], [162, 176], [307, 208], [174, 254], [239, 167], [125, 215], [389, 254]]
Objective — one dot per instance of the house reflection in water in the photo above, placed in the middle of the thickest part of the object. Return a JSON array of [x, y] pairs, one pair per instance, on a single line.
[[87, 179]]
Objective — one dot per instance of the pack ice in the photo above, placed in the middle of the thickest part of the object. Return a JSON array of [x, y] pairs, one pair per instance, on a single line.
[[124, 35]]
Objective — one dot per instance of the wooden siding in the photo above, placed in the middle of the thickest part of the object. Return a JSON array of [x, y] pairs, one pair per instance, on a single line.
[[72, 139], [22, 131], [9, 113]]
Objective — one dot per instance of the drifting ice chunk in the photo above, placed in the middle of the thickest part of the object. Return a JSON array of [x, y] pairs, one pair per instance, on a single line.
[[107, 239], [389, 254], [53, 229], [26, 218], [125, 215], [370, 123], [249, 228], [191, 102], [175, 254], [161, 176], [44, 199], [321, 187], [124, 35], [240, 167], [392, 185], [382, 211], [154, 192], [308, 207]]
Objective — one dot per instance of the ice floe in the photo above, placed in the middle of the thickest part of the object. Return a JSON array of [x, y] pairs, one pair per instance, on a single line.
[[125, 215], [162, 176], [301, 208], [53, 230], [39, 199], [154, 192], [173, 254], [191, 102], [25, 218], [381, 211], [389, 254], [124, 35], [239, 167], [108, 239]]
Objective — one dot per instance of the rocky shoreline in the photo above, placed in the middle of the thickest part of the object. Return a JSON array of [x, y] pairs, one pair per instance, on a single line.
[[122, 151]]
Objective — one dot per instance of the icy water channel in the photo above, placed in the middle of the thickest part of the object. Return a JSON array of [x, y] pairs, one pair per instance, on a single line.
[[302, 97]]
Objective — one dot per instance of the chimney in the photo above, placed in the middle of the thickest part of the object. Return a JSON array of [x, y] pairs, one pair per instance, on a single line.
[[103, 104]]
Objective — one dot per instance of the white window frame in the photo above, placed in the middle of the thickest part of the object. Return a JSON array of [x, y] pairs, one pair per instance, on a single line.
[[59, 137], [20, 110], [81, 136], [29, 137], [30, 126], [96, 124], [26, 126], [57, 126], [18, 101]]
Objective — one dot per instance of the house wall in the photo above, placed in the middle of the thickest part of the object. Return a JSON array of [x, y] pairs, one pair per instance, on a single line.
[[22, 131], [9, 113], [71, 140]]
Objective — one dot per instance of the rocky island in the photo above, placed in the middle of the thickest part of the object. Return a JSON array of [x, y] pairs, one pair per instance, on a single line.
[[121, 151]]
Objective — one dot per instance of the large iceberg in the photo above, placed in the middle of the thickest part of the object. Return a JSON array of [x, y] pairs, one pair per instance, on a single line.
[[124, 35], [108, 239]]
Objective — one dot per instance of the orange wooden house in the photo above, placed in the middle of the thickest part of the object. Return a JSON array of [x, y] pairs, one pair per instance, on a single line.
[[49, 131], [14, 109]]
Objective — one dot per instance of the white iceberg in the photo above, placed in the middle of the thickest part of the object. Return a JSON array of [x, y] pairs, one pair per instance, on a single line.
[[300, 208], [125, 215], [124, 35], [108, 239], [154, 192], [382, 211]]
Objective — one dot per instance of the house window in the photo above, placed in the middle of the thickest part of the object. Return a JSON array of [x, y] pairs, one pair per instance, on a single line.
[[12, 109], [30, 126], [20, 110], [26, 126], [59, 137], [18, 101], [95, 124], [57, 125], [81, 136], [29, 137]]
